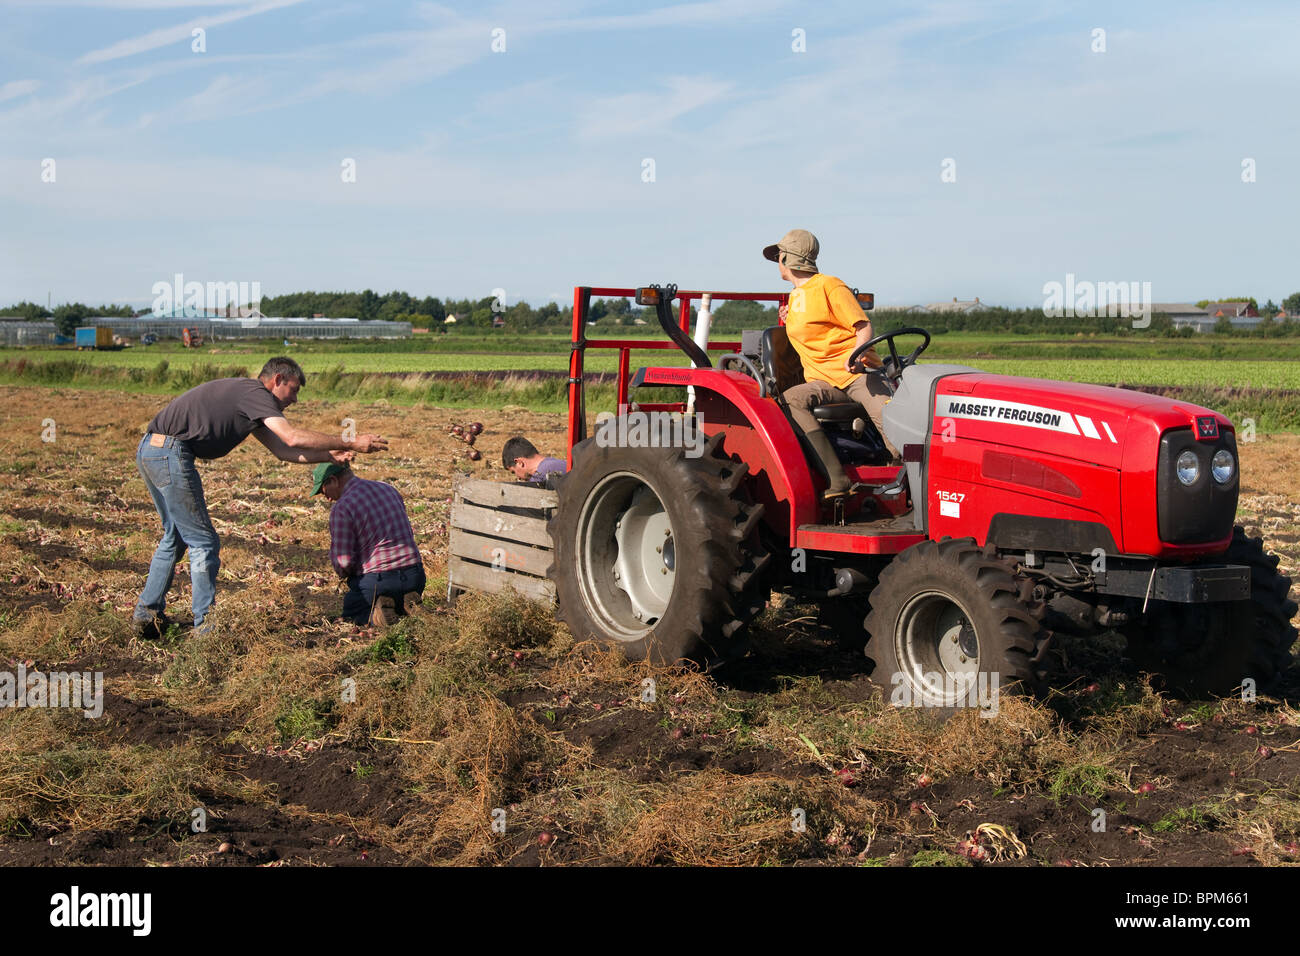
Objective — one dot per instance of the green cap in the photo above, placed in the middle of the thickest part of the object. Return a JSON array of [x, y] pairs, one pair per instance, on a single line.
[[323, 472]]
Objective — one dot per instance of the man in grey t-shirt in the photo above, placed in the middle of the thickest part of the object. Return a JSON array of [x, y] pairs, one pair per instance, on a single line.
[[208, 422]]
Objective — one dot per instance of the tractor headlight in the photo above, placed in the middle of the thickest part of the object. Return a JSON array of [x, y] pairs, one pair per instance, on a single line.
[[1222, 467], [1189, 468]]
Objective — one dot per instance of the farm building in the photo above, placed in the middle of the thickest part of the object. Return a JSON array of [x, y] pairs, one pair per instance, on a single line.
[[252, 327], [956, 305], [1242, 314], [18, 332], [1183, 315]]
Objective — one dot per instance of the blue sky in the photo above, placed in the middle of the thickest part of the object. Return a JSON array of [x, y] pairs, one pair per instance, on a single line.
[[522, 169]]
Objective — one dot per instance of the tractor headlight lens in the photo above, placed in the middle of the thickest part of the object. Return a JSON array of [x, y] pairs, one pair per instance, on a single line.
[[1189, 468], [1223, 467]]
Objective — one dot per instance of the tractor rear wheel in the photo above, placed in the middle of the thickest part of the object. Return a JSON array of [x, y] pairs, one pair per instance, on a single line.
[[949, 628], [657, 552], [1199, 650]]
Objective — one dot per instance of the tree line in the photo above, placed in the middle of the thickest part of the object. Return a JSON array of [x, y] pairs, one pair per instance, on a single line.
[[491, 312]]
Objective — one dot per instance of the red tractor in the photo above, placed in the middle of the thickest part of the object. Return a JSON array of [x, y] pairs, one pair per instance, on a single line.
[[1022, 508]]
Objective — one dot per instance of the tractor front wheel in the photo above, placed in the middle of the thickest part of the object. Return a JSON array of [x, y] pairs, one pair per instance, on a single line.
[[949, 629], [1199, 650]]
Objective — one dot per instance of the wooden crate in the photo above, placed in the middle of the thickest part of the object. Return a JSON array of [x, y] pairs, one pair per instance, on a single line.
[[499, 540]]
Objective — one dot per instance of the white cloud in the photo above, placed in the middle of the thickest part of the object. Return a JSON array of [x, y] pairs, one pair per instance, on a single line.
[[16, 88], [647, 113], [177, 34]]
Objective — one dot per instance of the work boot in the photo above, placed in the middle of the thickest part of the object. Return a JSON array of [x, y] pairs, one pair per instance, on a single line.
[[411, 601], [828, 465], [384, 612], [150, 628]]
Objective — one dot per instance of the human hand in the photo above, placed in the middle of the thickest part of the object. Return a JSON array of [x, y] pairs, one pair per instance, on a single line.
[[369, 443], [342, 457], [781, 311]]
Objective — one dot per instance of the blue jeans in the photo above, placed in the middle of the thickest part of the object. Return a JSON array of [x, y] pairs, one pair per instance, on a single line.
[[177, 493], [363, 589]]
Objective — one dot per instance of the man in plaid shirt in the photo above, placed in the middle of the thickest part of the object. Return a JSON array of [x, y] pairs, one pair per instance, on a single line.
[[372, 546]]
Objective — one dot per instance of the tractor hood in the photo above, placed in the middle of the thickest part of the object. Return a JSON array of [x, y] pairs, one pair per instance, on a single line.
[[1090, 423]]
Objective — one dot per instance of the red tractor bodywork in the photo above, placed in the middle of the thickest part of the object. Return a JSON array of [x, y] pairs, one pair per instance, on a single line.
[[1021, 508], [999, 445]]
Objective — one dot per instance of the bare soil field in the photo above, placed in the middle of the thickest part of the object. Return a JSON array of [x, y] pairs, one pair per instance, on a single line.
[[483, 735]]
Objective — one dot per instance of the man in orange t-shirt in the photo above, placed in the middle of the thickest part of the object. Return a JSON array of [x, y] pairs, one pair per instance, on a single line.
[[825, 324]]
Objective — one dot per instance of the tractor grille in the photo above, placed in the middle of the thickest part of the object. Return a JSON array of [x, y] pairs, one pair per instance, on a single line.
[[1204, 510]]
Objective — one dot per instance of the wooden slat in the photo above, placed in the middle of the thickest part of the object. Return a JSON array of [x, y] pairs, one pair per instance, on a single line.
[[500, 524], [513, 555], [466, 575], [494, 494]]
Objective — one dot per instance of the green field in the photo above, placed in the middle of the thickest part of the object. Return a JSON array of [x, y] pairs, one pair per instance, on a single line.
[[1264, 369]]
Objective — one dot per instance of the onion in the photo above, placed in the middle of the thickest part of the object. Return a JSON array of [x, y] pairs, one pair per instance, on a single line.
[[474, 454], [1265, 752], [1250, 729], [475, 428], [1147, 788], [924, 780], [544, 839]]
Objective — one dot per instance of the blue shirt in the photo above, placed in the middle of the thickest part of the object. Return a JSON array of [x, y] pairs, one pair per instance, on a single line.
[[548, 466]]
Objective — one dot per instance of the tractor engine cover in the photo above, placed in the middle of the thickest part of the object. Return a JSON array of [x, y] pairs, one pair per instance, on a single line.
[[1059, 466]]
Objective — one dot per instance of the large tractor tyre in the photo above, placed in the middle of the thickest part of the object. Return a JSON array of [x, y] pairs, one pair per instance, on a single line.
[[657, 552], [1202, 650], [949, 628]]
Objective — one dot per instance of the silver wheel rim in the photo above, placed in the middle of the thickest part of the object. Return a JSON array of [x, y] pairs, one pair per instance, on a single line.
[[628, 556], [938, 649]]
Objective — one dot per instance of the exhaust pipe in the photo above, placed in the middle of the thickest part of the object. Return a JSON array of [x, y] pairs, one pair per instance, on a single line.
[[703, 322]]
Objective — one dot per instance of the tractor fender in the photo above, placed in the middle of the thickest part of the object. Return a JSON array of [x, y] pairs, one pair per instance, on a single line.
[[758, 433]]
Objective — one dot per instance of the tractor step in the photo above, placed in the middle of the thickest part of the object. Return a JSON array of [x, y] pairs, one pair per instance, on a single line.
[[886, 535]]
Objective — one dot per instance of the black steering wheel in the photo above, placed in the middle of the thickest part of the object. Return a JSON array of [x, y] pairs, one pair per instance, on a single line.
[[892, 368]]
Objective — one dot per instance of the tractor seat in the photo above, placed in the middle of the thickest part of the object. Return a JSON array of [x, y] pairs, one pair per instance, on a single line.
[[839, 412], [783, 370]]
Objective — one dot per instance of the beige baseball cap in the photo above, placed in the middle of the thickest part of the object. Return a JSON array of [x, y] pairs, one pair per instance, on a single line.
[[797, 250]]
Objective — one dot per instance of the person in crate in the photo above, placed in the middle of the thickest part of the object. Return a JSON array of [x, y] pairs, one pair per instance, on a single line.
[[521, 457]]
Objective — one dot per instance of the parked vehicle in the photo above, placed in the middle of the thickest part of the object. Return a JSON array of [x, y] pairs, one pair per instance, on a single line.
[[94, 337], [1023, 507]]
